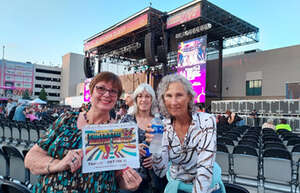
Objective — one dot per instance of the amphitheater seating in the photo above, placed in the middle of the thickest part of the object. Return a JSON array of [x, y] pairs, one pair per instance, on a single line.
[[277, 169], [3, 165], [261, 161], [244, 155], [233, 188], [16, 164], [223, 159], [12, 187]]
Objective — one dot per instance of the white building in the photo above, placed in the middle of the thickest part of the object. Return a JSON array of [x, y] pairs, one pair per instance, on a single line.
[[72, 73], [49, 78], [261, 75]]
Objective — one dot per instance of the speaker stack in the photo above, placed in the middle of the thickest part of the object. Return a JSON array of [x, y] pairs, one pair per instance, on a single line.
[[151, 50], [88, 67]]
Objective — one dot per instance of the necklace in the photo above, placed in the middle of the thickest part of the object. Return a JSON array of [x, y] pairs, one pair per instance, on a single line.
[[92, 122]]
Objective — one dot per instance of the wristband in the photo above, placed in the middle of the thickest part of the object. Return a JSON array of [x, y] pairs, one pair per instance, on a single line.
[[48, 166]]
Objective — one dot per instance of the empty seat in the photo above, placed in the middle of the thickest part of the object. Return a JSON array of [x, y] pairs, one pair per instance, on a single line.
[[233, 188], [245, 165], [223, 159], [270, 135], [282, 131], [251, 137], [16, 134], [277, 170], [12, 187], [272, 144], [16, 163], [24, 135], [3, 165], [33, 179], [250, 143], [33, 135], [1, 132], [227, 141], [268, 130], [271, 139], [7, 133], [291, 143], [296, 153], [289, 137]]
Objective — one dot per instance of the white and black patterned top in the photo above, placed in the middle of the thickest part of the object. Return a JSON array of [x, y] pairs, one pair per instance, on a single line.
[[191, 162]]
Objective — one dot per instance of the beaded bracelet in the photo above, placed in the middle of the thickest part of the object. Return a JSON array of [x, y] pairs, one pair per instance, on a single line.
[[48, 166]]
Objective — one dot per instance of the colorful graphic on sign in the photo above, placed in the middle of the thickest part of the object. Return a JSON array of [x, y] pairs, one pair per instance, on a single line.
[[191, 63], [110, 147]]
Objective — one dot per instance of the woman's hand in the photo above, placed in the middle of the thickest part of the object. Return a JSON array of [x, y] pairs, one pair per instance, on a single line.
[[147, 163], [148, 134], [72, 161], [128, 179], [142, 150]]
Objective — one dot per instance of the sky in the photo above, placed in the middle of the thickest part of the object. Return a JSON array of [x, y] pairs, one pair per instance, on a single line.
[[42, 31]]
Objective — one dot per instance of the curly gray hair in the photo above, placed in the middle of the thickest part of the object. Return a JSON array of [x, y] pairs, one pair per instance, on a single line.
[[143, 87], [163, 86]]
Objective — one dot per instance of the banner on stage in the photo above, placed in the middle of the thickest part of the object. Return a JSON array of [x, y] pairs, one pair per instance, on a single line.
[[110, 147], [191, 63]]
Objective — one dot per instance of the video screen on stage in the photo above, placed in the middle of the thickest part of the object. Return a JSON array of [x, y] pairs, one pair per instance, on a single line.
[[191, 63]]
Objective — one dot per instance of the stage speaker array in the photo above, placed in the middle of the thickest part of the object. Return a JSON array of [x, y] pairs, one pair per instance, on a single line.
[[162, 54], [150, 48], [88, 67]]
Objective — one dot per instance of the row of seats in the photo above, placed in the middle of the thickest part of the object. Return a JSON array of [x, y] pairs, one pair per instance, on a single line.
[[13, 168], [248, 156], [15, 178], [7, 186], [21, 133]]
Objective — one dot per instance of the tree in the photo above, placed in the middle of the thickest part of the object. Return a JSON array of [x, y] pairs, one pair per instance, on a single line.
[[43, 95], [26, 95]]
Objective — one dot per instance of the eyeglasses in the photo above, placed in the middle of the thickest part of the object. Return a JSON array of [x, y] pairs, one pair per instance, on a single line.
[[102, 90]]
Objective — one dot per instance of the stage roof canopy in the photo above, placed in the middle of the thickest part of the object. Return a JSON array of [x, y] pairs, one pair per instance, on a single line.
[[181, 23], [224, 26]]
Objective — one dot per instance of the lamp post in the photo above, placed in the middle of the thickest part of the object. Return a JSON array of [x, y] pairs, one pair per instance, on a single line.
[[3, 53]]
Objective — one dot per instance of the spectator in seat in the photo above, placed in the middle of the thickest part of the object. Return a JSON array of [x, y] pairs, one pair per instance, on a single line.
[[20, 112], [57, 157], [283, 125], [143, 109], [268, 124], [31, 116], [187, 154]]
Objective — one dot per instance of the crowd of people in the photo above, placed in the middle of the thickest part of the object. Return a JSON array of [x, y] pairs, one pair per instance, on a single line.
[[186, 162], [23, 111]]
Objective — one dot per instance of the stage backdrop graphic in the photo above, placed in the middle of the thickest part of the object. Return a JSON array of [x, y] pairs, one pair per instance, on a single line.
[[191, 63], [86, 90]]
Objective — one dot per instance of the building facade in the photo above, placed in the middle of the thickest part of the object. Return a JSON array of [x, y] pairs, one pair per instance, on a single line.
[[72, 74], [262, 74], [49, 78], [19, 77]]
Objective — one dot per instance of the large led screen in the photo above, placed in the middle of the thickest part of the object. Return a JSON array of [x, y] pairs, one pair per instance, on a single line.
[[191, 63]]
